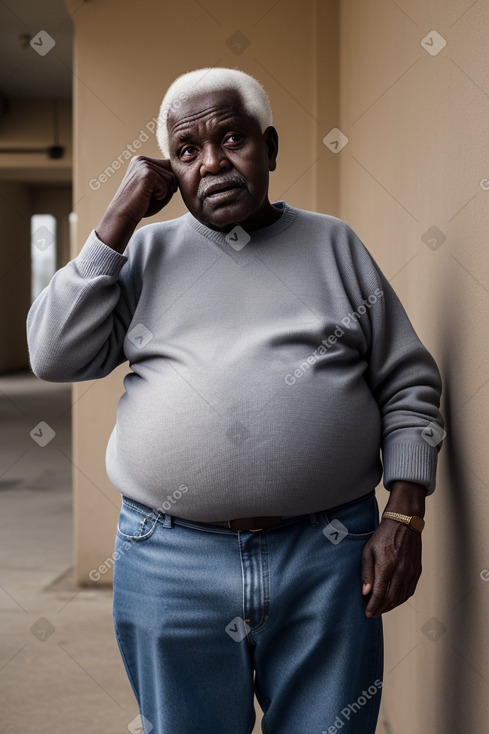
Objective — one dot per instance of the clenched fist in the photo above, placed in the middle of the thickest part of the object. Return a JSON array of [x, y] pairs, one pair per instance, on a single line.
[[147, 187]]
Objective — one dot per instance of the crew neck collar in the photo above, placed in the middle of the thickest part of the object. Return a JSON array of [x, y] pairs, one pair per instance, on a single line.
[[284, 221]]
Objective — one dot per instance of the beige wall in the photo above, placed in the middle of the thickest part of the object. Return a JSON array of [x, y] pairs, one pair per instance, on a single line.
[[416, 154], [418, 150]]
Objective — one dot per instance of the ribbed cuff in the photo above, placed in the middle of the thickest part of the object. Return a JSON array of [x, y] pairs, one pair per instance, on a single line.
[[407, 462], [96, 258]]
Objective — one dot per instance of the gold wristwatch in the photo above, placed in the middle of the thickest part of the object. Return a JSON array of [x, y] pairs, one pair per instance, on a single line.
[[412, 521]]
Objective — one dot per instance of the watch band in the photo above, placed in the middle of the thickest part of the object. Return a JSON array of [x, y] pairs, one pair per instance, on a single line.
[[412, 521]]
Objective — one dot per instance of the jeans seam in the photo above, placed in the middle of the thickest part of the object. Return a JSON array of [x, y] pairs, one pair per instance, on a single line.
[[145, 516], [134, 538], [328, 517], [128, 503], [374, 721], [266, 585], [126, 662], [243, 601]]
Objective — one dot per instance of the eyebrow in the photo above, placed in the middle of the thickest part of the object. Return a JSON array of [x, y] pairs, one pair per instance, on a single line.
[[232, 120], [183, 137]]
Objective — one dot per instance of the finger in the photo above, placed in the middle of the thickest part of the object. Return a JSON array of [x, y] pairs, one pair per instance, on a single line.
[[403, 585], [162, 183], [377, 599], [412, 581], [367, 570], [395, 595], [158, 162], [161, 162], [140, 166], [165, 182], [405, 576], [162, 190]]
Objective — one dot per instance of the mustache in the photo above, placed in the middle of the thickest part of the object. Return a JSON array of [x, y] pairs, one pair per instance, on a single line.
[[230, 179]]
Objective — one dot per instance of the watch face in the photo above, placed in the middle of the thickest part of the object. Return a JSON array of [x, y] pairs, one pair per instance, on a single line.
[[417, 523]]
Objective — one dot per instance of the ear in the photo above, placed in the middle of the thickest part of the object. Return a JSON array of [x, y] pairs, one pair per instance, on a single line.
[[270, 137]]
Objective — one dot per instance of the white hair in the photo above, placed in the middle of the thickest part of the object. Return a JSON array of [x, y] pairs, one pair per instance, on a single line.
[[253, 96]]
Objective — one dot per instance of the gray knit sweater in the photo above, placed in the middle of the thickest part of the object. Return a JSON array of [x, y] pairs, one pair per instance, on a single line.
[[266, 378]]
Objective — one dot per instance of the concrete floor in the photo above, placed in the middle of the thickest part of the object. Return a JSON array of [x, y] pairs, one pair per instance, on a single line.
[[60, 668]]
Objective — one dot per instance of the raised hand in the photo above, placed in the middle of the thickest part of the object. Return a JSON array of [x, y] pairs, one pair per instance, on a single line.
[[148, 186]]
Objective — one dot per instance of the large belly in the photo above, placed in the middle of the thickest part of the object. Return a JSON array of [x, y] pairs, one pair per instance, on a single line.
[[238, 439]]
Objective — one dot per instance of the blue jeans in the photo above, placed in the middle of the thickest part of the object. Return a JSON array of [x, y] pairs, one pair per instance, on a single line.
[[205, 616]]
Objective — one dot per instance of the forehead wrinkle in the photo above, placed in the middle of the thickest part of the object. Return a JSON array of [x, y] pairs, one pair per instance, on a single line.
[[201, 116]]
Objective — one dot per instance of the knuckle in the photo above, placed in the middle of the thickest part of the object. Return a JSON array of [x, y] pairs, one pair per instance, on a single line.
[[135, 162]]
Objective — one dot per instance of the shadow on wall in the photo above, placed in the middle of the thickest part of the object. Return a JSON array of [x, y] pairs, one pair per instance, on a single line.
[[457, 694]]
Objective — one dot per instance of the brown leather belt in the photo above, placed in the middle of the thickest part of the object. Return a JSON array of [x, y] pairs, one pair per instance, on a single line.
[[253, 524]]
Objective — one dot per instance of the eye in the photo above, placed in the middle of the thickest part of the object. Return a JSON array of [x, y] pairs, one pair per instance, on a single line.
[[234, 138], [187, 151]]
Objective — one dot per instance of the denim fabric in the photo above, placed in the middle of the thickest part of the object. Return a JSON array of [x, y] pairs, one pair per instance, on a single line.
[[204, 616]]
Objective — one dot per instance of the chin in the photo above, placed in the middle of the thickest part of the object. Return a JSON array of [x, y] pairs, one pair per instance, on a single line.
[[224, 220]]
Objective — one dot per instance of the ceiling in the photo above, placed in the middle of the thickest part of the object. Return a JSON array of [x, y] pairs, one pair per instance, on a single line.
[[24, 73]]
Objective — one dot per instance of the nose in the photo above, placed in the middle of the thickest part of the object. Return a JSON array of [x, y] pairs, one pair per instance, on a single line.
[[214, 160]]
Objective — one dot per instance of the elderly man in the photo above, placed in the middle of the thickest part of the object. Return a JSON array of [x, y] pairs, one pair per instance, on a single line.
[[271, 363]]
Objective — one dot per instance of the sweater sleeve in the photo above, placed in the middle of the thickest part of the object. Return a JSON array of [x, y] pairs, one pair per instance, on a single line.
[[403, 378], [76, 326]]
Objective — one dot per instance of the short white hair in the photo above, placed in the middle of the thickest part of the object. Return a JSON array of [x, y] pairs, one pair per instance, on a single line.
[[253, 96]]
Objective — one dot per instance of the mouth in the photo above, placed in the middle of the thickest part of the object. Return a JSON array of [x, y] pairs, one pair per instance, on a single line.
[[221, 189], [221, 186]]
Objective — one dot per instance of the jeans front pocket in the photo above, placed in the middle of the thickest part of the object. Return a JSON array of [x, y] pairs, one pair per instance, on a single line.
[[136, 522], [356, 520]]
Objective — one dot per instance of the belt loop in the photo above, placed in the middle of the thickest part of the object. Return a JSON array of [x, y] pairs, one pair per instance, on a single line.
[[168, 521], [313, 518]]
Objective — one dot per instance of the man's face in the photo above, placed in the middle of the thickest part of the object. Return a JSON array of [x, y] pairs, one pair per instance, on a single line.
[[222, 160]]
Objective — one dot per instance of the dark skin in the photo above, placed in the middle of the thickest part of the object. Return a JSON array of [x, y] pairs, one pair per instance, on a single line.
[[220, 161], [218, 143]]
